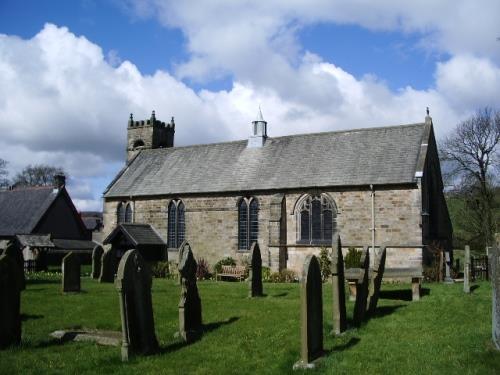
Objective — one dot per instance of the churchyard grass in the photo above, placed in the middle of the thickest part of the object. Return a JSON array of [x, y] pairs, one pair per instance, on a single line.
[[446, 332]]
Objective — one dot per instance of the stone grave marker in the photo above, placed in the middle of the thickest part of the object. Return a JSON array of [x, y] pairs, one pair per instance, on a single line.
[[376, 277], [71, 273], [338, 287], [190, 321], [133, 283], [255, 277], [10, 302], [467, 269], [495, 281], [97, 261], [14, 251], [311, 314], [362, 287], [108, 266], [447, 277]]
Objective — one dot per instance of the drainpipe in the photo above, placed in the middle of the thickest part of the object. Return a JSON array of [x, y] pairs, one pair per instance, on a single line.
[[372, 189]]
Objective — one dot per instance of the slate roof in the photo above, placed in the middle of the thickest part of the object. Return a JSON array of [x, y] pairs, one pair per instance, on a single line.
[[386, 155], [65, 244], [138, 234], [22, 209], [35, 240]]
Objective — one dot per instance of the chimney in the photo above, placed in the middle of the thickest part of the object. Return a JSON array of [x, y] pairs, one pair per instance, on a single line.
[[59, 180]]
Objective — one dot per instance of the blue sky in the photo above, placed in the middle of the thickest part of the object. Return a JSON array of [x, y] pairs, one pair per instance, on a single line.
[[72, 71]]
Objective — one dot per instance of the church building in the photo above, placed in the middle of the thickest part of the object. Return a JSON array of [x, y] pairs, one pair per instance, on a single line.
[[373, 185]]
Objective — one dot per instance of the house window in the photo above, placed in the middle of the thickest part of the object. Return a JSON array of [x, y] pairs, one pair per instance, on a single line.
[[315, 220], [248, 223], [124, 213], [176, 224]]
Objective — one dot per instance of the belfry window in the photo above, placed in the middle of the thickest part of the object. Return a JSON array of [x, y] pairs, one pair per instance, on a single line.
[[315, 220], [248, 223], [176, 224]]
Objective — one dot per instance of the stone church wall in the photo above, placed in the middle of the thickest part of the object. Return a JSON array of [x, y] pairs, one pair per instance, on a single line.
[[212, 224]]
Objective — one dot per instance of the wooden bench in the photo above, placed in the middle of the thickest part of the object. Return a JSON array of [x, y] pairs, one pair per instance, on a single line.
[[415, 274], [233, 272]]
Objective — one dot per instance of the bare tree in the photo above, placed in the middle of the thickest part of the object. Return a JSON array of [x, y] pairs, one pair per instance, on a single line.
[[471, 155], [37, 175], [4, 181]]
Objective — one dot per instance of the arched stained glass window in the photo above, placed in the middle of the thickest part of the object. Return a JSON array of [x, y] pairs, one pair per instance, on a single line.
[[176, 224], [248, 223], [315, 220]]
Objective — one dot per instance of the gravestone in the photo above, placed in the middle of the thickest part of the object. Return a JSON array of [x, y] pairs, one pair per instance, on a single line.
[[338, 287], [14, 251], [447, 277], [97, 261], [133, 283], [255, 277], [10, 302], [495, 281], [467, 269], [71, 273], [190, 322], [311, 314], [362, 284], [108, 266], [376, 277]]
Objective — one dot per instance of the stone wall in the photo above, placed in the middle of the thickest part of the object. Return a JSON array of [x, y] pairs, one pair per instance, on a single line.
[[212, 224]]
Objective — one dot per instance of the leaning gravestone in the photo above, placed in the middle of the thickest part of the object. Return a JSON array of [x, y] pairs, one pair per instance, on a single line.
[[362, 287], [495, 281], [10, 302], [71, 273], [190, 321], [338, 287], [376, 279], [133, 283], [14, 251], [467, 269], [108, 266], [311, 314], [255, 279], [97, 261]]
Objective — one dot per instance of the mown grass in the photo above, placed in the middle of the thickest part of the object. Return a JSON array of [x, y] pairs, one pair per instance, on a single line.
[[446, 332]]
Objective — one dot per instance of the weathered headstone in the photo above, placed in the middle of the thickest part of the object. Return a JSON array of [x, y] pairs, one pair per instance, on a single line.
[[311, 314], [255, 277], [71, 273], [362, 287], [10, 302], [338, 287], [447, 263], [495, 281], [376, 277], [14, 251], [190, 321], [467, 269], [97, 261], [108, 266], [133, 283]]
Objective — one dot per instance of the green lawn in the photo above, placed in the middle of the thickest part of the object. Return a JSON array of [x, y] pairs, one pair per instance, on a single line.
[[446, 332]]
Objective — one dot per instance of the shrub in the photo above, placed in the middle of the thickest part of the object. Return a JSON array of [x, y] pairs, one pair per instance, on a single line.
[[202, 270], [284, 276], [160, 269], [325, 263], [228, 261], [352, 258], [434, 270], [266, 273]]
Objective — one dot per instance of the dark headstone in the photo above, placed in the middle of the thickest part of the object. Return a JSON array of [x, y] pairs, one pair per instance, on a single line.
[[338, 287], [467, 269], [311, 314], [97, 261], [190, 321], [10, 302], [495, 282], [71, 273], [14, 251], [362, 288], [133, 283], [108, 266], [376, 277], [255, 279]]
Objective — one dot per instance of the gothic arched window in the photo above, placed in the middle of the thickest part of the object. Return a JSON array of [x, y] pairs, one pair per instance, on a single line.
[[315, 220], [248, 223], [176, 223], [128, 213], [120, 213]]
